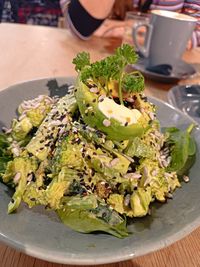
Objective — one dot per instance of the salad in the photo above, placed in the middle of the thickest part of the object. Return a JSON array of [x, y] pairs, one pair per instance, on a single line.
[[96, 156]]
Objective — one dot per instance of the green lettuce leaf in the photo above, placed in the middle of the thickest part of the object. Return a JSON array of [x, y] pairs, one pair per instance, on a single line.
[[99, 219], [183, 149]]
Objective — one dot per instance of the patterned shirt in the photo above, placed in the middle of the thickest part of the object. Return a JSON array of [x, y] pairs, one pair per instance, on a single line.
[[38, 12]]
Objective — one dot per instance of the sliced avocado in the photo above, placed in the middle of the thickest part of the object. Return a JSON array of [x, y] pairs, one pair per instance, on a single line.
[[88, 104], [48, 131], [36, 116], [20, 166], [59, 186], [34, 196], [117, 203], [138, 148], [55, 192], [140, 201], [156, 177], [108, 166], [68, 154], [20, 129]]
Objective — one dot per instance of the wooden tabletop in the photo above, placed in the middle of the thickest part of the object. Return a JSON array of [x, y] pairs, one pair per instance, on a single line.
[[32, 52]]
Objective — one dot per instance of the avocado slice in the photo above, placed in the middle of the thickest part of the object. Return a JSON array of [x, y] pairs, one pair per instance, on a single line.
[[116, 127], [48, 131], [20, 129]]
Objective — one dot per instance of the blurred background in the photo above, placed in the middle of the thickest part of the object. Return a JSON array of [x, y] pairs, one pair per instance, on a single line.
[[36, 12]]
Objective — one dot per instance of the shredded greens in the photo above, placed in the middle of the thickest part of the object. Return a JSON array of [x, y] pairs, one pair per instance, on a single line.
[[5, 156]]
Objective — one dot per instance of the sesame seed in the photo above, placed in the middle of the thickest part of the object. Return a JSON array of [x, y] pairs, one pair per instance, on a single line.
[[106, 123], [169, 195], [104, 215], [152, 115], [186, 178], [106, 185], [92, 172], [127, 200], [17, 177], [101, 98], [94, 90]]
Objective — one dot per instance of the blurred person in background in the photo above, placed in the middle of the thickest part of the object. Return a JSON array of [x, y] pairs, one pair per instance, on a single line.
[[85, 17], [14, 9], [39, 12]]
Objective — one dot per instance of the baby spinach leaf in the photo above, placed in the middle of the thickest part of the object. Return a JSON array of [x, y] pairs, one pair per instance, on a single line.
[[88, 221], [183, 149]]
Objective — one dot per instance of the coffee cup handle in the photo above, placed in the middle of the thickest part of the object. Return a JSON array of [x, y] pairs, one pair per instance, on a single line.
[[144, 50]]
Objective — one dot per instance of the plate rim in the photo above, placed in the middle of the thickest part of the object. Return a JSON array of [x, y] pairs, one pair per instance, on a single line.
[[33, 251], [174, 104]]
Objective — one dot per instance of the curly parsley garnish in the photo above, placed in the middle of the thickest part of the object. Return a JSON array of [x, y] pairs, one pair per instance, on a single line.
[[133, 82], [81, 60], [111, 68]]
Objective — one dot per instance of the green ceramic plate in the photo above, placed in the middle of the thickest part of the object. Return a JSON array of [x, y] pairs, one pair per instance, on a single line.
[[39, 233]]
